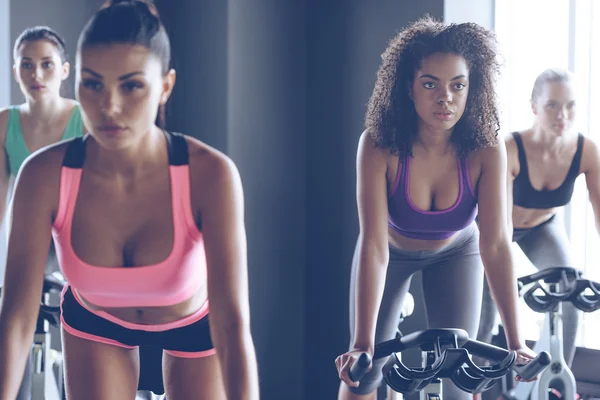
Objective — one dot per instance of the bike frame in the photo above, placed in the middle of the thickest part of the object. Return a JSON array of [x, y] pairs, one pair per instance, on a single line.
[[558, 374], [44, 381]]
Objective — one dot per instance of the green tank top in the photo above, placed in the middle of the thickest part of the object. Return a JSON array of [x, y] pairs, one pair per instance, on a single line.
[[16, 148]]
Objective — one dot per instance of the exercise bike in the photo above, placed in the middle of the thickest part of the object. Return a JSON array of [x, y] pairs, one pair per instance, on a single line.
[[448, 353], [47, 375], [557, 285]]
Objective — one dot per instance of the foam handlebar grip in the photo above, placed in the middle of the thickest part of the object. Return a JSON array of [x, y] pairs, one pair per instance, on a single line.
[[360, 367], [534, 367]]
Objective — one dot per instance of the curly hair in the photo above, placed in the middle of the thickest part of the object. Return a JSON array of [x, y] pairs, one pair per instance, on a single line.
[[391, 116]]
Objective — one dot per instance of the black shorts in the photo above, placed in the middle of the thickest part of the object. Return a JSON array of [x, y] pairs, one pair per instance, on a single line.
[[186, 338]]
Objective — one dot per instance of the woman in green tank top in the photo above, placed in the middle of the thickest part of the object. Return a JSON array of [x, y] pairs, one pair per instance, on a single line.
[[40, 67]]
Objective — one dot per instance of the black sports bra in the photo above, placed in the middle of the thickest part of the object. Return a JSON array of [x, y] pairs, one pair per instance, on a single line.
[[524, 195]]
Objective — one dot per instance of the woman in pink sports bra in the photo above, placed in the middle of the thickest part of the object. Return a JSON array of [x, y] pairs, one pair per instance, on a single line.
[[149, 233]]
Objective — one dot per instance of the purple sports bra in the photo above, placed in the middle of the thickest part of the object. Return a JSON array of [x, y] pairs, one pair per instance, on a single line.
[[408, 220]]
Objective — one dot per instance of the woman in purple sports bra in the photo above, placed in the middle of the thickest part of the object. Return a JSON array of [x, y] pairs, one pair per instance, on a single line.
[[428, 162]]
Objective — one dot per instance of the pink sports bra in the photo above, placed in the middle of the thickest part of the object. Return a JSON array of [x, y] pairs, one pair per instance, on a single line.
[[169, 282]]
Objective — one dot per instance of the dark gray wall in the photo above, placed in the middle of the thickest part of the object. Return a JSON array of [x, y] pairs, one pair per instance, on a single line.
[[198, 33], [5, 64], [267, 139]]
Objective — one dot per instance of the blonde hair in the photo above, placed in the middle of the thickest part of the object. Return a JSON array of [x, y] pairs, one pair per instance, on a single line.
[[549, 75]]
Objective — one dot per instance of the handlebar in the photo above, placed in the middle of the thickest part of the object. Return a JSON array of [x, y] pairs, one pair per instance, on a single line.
[[360, 367], [552, 275], [452, 349], [567, 285], [493, 353]]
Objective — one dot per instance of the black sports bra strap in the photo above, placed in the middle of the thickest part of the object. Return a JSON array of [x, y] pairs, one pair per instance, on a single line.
[[521, 150], [75, 154], [177, 148], [576, 164]]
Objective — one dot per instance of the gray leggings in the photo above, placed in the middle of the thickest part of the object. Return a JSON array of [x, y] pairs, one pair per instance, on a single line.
[[452, 285], [546, 245]]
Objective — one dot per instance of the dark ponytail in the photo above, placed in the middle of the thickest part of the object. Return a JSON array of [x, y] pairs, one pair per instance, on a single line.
[[151, 7]]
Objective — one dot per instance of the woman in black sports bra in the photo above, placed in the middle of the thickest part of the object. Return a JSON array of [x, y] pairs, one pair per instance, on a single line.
[[543, 164]]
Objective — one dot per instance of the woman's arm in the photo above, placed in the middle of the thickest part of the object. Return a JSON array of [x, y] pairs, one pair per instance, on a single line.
[[373, 250], [30, 230], [222, 211], [495, 240], [591, 169]]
